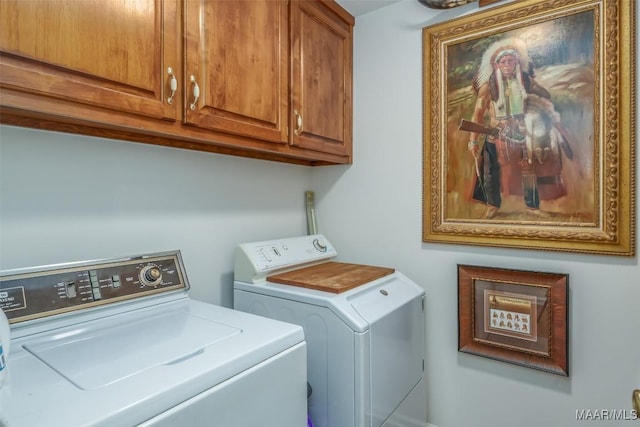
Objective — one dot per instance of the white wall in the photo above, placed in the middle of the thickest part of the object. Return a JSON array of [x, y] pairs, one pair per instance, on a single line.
[[71, 198], [66, 198], [372, 213]]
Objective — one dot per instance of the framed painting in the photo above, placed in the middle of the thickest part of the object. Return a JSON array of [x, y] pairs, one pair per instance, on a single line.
[[514, 316], [529, 138]]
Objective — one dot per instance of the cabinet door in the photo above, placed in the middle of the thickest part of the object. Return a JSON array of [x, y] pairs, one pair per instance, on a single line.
[[112, 54], [236, 53], [321, 105]]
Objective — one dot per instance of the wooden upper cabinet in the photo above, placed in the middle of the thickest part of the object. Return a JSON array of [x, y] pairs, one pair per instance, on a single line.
[[321, 82], [237, 54], [114, 54], [269, 79]]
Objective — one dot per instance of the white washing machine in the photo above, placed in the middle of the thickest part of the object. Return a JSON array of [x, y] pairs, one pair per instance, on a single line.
[[364, 327], [120, 343]]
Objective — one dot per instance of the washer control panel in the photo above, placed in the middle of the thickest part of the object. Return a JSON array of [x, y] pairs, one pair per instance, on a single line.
[[27, 294], [253, 261]]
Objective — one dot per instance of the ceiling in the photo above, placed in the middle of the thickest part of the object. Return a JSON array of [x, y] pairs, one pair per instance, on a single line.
[[360, 7]]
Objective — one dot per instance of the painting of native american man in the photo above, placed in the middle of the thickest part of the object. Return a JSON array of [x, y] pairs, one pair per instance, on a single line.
[[520, 129]]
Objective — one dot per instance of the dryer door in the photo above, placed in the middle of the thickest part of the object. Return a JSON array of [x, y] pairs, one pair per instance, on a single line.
[[395, 312]]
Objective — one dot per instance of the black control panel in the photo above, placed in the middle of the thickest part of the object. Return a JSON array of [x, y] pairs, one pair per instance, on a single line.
[[34, 294]]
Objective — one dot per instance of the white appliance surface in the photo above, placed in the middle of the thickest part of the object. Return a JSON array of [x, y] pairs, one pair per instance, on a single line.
[[173, 361], [365, 346]]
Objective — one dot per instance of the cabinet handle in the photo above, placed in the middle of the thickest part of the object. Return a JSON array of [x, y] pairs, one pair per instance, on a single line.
[[298, 118], [196, 92], [173, 85]]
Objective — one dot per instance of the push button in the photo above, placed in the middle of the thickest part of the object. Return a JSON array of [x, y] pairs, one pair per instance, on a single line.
[[115, 281]]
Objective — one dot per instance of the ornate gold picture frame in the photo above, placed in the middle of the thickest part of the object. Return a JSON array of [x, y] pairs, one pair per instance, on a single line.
[[514, 316], [529, 127]]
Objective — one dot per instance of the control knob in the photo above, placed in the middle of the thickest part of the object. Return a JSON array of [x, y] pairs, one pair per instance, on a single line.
[[151, 275], [320, 245]]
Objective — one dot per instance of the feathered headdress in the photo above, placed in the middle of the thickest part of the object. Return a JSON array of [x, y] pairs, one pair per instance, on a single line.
[[494, 52]]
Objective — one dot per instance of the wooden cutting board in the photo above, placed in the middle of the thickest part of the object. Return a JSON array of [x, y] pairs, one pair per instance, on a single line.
[[333, 277]]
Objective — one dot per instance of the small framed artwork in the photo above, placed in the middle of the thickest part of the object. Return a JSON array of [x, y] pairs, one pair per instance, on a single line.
[[514, 316]]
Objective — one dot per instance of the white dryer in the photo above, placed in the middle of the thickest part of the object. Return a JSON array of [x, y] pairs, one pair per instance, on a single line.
[[364, 327], [120, 343]]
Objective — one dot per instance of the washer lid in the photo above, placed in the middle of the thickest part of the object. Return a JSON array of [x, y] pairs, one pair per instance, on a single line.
[[92, 359], [124, 369]]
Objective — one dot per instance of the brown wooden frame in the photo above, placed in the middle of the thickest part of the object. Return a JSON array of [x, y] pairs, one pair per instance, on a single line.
[[598, 213], [483, 3], [514, 316]]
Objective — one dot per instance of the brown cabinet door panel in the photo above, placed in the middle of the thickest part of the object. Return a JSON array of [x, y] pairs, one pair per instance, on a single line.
[[321, 105], [113, 54], [237, 53]]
